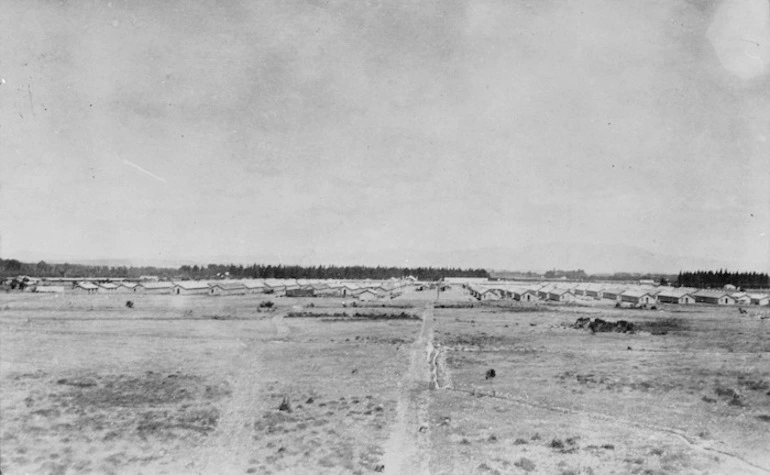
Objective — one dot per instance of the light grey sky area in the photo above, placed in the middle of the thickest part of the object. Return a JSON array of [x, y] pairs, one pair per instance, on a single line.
[[600, 134]]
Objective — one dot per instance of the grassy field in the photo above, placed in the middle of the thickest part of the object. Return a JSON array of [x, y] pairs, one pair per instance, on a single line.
[[203, 384], [688, 393]]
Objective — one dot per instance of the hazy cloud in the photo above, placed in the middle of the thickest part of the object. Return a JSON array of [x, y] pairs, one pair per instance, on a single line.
[[314, 128]]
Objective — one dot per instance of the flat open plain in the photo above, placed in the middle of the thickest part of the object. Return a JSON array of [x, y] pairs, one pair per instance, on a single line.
[[194, 385]]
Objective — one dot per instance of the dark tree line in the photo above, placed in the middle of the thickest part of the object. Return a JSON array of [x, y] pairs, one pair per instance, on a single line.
[[13, 268], [720, 278], [579, 274], [261, 271], [663, 279]]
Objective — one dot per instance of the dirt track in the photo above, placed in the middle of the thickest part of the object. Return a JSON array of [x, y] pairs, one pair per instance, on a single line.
[[407, 449], [228, 448]]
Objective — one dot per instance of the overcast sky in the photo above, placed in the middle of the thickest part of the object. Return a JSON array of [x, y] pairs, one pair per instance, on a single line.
[[319, 131]]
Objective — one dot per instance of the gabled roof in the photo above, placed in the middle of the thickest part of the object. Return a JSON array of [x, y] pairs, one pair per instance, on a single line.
[[717, 293], [275, 283], [675, 292], [638, 293], [594, 287], [108, 286], [559, 291], [155, 285], [758, 296], [367, 291], [520, 290], [228, 285], [479, 289], [50, 288], [87, 286], [192, 284], [614, 290], [254, 284]]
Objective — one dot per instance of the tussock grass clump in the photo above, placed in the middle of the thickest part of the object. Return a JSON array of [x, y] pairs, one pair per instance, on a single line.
[[159, 423], [556, 444], [525, 464]]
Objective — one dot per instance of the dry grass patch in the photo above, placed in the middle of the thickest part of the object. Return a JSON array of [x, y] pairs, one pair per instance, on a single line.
[[322, 432], [159, 405], [63, 422]]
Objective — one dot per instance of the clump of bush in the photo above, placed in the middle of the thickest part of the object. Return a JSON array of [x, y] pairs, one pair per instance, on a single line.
[[454, 305], [266, 304], [602, 326], [315, 315], [285, 405], [731, 395], [567, 446], [753, 384], [358, 316]]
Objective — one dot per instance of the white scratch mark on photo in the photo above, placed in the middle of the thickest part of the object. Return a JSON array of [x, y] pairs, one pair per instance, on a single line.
[[144, 171]]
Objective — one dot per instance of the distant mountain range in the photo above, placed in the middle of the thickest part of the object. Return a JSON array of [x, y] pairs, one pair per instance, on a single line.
[[593, 258]]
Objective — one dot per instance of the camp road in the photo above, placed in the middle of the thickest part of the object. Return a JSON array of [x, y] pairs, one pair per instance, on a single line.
[[407, 448]]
